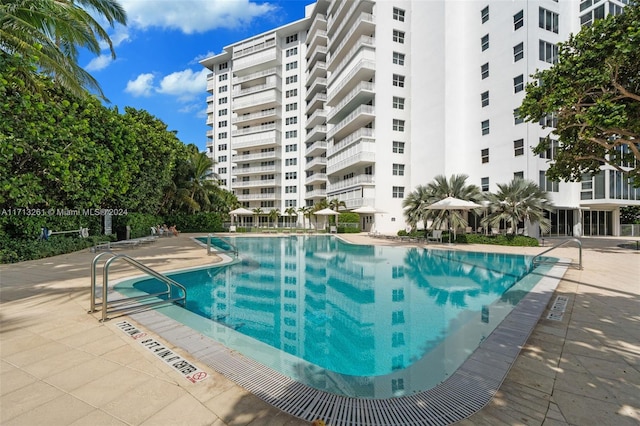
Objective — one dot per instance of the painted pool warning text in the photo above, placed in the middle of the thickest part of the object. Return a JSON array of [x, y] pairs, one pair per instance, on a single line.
[[188, 370]]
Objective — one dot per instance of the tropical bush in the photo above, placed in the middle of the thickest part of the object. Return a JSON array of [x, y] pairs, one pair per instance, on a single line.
[[12, 251], [499, 240]]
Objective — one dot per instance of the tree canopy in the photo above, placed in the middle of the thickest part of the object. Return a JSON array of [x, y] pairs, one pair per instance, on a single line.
[[594, 93]]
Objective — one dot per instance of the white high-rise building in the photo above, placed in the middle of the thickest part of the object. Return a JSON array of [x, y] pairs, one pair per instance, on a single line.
[[362, 101]]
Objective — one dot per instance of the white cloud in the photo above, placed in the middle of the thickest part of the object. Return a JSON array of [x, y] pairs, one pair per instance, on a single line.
[[198, 58], [185, 84], [141, 86], [99, 62], [194, 16]]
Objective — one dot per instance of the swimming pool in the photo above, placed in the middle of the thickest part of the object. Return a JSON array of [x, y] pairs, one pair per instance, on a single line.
[[365, 321]]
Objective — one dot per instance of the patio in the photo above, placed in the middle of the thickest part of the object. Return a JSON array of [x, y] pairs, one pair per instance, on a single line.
[[61, 366]]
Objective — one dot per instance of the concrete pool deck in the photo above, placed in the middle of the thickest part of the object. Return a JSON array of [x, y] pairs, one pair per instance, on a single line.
[[61, 366]]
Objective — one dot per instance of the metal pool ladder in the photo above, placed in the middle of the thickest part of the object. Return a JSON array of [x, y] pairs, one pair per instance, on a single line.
[[233, 249], [537, 259], [134, 303]]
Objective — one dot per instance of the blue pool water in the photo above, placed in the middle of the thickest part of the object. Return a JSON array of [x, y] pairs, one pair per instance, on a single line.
[[367, 321]]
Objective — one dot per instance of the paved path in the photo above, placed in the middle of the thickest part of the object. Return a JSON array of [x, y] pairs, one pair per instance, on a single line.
[[60, 366]]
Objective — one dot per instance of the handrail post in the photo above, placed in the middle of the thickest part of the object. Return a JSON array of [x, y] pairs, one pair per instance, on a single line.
[[94, 264]]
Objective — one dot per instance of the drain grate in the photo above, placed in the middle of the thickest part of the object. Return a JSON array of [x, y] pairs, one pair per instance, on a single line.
[[556, 313]]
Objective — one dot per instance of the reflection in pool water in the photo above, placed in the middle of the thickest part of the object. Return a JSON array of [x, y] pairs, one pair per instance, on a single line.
[[366, 321]]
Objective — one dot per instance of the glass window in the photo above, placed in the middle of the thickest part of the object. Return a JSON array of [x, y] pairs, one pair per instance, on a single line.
[[517, 119], [518, 175], [484, 42], [398, 147], [518, 83], [398, 192], [398, 125], [518, 147], [548, 20], [548, 52], [398, 36], [484, 155], [484, 98], [398, 14], [518, 52], [485, 127], [518, 20], [484, 14], [398, 58], [398, 169], [398, 103], [484, 184], [546, 184], [398, 80], [484, 70]]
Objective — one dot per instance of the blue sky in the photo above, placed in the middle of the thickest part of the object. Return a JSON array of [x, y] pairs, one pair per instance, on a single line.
[[157, 69]]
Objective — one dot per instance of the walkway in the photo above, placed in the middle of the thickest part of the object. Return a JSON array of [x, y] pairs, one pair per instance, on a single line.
[[60, 366]]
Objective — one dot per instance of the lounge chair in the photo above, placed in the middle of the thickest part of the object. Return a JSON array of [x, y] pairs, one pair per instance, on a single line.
[[436, 235]]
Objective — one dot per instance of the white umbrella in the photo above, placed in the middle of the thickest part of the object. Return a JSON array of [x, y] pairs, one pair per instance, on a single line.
[[240, 212], [326, 213], [452, 203], [365, 210]]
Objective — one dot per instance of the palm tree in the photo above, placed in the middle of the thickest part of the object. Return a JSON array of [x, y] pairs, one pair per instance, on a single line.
[[519, 201], [424, 195], [290, 212], [335, 204], [305, 210], [257, 212], [49, 33], [274, 214]]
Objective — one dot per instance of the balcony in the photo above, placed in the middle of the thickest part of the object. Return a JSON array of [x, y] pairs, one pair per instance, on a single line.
[[360, 117], [361, 135], [211, 85], [359, 180], [210, 119], [257, 140], [209, 133], [361, 51], [364, 27], [316, 148], [358, 155], [361, 94], [256, 183], [243, 50], [316, 194], [238, 158], [250, 197], [364, 70], [256, 75], [257, 102], [318, 163], [316, 178], [274, 83], [319, 116], [318, 85], [319, 24], [254, 129], [317, 133], [247, 171], [251, 63], [318, 71], [316, 102], [255, 117], [317, 39]]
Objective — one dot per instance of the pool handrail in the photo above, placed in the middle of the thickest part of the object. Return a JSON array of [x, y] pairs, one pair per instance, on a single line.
[[130, 300], [209, 252], [571, 240]]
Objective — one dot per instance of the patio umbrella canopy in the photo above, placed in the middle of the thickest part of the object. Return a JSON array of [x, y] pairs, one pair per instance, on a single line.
[[240, 212], [452, 203], [326, 213]]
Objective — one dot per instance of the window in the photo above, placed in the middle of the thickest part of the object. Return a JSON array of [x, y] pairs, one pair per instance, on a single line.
[[546, 184], [518, 20], [291, 79], [291, 148], [291, 38], [398, 192], [222, 112], [484, 14], [292, 51], [222, 147], [223, 66], [548, 20], [517, 119], [397, 385], [398, 169], [518, 147], [398, 147], [548, 52], [518, 175], [267, 203], [485, 127], [291, 175], [290, 161], [398, 125], [484, 42], [398, 103], [291, 93], [222, 158], [398, 80], [222, 135], [552, 149], [290, 189], [223, 77], [222, 170], [222, 101], [267, 190], [518, 83], [291, 120], [549, 120], [291, 107], [597, 13], [291, 65], [484, 155], [398, 36], [290, 203], [484, 98], [222, 123], [397, 294], [291, 134], [484, 184], [398, 58], [222, 89], [484, 70], [398, 14], [397, 339], [397, 272], [518, 52]]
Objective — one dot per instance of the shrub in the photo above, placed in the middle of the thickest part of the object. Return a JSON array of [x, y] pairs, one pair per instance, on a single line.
[[198, 222], [19, 250], [502, 240]]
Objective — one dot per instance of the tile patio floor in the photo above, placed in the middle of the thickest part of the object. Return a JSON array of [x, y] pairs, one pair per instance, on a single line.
[[60, 366]]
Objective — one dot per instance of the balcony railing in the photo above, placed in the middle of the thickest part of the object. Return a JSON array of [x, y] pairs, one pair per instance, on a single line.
[[365, 133], [362, 86], [254, 129], [362, 109], [354, 181]]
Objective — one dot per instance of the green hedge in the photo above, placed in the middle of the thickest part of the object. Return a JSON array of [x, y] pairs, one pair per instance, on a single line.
[[500, 240], [12, 250]]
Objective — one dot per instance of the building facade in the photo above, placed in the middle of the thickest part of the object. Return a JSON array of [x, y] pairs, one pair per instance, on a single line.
[[362, 101]]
